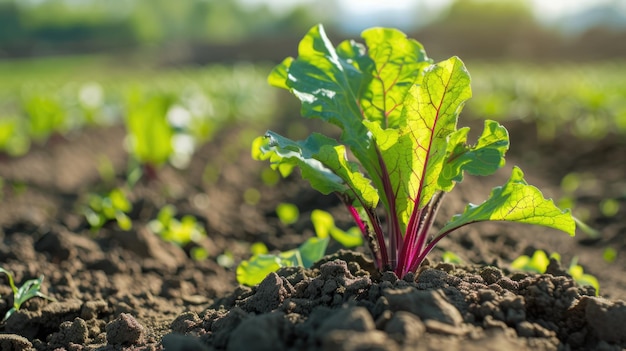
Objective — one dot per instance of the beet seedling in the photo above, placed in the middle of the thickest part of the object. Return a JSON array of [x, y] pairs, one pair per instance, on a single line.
[[111, 206], [31, 288], [253, 271], [400, 146], [181, 232], [539, 262]]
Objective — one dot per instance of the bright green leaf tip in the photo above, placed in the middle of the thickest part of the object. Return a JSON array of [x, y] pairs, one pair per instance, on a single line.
[[516, 201]]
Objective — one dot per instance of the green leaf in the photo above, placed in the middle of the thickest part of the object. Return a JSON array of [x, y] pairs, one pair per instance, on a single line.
[[312, 250], [578, 274], [280, 75], [350, 238], [328, 84], [149, 131], [538, 263], [483, 159], [29, 289], [287, 213], [609, 254], [323, 163], [324, 225], [10, 277], [290, 258], [253, 271], [123, 221], [258, 248], [415, 155], [516, 201], [399, 63], [451, 257], [323, 222], [119, 200]]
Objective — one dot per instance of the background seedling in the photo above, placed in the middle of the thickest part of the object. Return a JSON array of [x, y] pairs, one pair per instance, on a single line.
[[182, 231], [113, 205], [287, 213], [539, 262], [29, 289], [254, 270]]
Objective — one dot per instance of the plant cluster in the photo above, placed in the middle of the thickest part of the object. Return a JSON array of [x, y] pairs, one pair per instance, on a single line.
[[400, 148]]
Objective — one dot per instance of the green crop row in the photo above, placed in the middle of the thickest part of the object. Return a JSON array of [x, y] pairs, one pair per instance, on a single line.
[[588, 100], [180, 108]]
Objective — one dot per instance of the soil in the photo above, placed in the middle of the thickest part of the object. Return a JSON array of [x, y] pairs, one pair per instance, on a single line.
[[130, 290]]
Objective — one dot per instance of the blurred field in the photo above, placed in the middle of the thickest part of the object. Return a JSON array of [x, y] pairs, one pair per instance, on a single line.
[[43, 97], [40, 98]]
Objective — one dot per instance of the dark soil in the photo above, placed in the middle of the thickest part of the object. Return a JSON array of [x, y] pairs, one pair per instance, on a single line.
[[120, 290]]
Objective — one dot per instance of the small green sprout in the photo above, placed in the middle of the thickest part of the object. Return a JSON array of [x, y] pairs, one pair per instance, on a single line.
[[226, 260], [251, 196], [269, 177], [111, 206], [253, 271], [149, 133], [181, 232], [31, 288], [539, 262], [609, 255], [451, 257], [324, 225], [287, 213], [609, 207]]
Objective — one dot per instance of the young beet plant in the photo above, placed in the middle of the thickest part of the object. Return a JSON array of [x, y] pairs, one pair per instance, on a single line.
[[399, 145]]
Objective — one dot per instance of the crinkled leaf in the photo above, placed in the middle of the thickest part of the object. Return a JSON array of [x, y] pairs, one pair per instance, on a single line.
[[323, 163], [415, 160], [483, 159], [328, 84], [399, 65], [516, 201]]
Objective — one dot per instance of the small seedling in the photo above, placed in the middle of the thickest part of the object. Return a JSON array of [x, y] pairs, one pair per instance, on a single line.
[[609, 254], [31, 288], [539, 262], [399, 147], [451, 257], [110, 206], [287, 213], [181, 232], [150, 136], [261, 263]]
